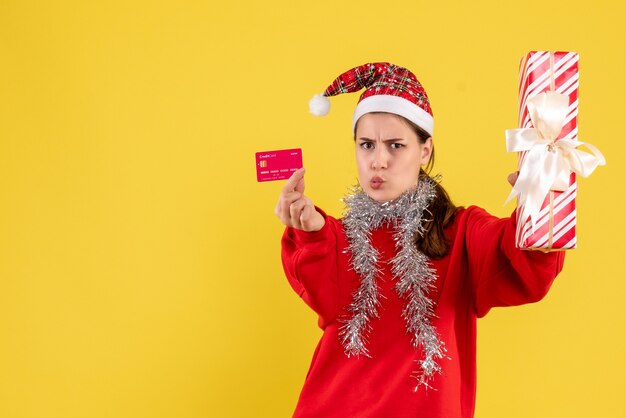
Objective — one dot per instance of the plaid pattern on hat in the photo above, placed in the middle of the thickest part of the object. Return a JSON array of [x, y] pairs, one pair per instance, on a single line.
[[381, 78], [388, 88]]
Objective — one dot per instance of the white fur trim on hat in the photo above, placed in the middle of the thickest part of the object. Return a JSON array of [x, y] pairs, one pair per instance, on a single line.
[[319, 105], [396, 105]]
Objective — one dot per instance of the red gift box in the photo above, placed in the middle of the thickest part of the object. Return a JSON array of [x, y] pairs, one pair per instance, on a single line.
[[552, 223]]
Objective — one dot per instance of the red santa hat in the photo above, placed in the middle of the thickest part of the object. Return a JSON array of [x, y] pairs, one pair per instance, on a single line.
[[388, 88]]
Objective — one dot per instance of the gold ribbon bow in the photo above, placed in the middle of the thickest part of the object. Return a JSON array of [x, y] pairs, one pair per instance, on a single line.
[[548, 162]]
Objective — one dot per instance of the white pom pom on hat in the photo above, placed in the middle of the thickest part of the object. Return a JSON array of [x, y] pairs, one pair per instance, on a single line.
[[319, 105], [388, 88]]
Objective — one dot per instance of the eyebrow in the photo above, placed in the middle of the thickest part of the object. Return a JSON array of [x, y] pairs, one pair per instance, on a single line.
[[384, 140]]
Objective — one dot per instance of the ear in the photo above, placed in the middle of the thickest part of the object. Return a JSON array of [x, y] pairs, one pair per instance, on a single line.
[[427, 151]]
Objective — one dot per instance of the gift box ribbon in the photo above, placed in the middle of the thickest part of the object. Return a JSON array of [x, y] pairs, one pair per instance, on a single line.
[[548, 162]]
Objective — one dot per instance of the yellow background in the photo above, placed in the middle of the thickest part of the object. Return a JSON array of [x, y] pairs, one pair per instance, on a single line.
[[139, 257]]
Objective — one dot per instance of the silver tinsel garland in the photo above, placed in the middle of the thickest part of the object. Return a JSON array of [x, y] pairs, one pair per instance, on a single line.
[[410, 268]]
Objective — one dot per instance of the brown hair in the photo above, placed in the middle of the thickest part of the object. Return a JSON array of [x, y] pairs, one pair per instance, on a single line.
[[433, 243]]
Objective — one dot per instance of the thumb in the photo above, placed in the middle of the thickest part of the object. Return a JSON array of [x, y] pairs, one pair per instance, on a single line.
[[300, 185], [512, 178]]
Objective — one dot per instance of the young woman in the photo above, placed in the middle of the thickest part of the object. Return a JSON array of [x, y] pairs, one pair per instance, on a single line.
[[400, 280]]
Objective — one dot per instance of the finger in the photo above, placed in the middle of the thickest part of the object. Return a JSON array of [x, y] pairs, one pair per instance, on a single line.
[[277, 209], [512, 178], [286, 200], [305, 217], [292, 182], [282, 206], [292, 197], [295, 211], [307, 213]]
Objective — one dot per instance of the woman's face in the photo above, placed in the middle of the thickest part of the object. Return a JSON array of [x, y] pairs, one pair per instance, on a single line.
[[388, 155]]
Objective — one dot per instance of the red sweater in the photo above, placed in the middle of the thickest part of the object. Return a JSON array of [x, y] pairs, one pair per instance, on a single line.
[[483, 269]]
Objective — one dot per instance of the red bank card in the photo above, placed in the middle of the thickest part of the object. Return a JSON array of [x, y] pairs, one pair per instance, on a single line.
[[277, 165]]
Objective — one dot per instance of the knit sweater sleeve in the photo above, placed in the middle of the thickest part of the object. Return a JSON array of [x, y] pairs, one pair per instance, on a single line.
[[503, 275], [310, 264]]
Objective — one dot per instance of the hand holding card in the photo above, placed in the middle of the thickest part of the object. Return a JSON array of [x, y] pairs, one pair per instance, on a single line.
[[296, 210]]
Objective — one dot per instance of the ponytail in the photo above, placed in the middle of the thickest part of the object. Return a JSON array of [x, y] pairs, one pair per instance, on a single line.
[[433, 243]]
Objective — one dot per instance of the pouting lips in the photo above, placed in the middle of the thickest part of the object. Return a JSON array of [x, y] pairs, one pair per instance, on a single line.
[[376, 182]]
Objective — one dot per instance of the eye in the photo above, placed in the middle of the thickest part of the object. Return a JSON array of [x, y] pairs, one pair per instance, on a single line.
[[396, 145], [366, 145]]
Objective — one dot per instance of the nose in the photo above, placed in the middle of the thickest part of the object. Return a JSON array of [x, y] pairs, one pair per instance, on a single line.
[[381, 158]]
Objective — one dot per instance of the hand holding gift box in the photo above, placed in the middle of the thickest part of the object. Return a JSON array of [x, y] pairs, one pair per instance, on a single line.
[[549, 160]]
